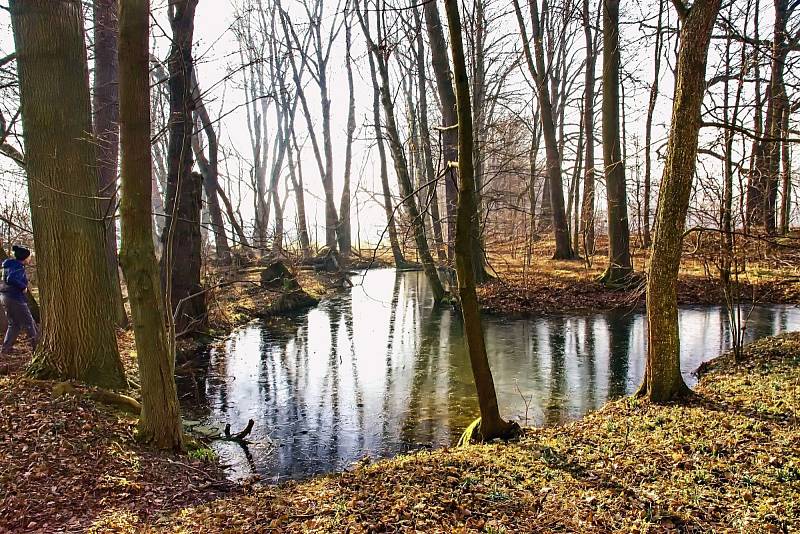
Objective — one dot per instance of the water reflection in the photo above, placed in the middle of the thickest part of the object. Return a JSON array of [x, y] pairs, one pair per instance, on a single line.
[[378, 370]]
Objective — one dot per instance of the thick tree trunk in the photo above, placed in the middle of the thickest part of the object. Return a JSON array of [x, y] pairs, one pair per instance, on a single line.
[[587, 209], [160, 420], [777, 102], [78, 339], [492, 424], [619, 256], [447, 98], [106, 130], [755, 180], [181, 260], [663, 380]]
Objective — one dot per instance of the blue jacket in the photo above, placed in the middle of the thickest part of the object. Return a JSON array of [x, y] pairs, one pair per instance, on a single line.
[[15, 280]]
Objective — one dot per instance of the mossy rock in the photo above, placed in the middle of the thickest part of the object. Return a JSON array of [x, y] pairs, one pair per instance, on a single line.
[[278, 276], [292, 302]]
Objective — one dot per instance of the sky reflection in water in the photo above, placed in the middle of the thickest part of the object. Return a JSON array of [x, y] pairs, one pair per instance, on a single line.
[[378, 371]]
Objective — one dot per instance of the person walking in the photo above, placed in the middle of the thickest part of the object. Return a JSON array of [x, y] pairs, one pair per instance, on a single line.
[[13, 296]]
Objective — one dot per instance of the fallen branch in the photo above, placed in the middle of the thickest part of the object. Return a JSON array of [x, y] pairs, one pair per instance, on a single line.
[[239, 438]]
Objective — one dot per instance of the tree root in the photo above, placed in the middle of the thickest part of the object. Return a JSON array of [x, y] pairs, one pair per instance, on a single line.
[[123, 402]]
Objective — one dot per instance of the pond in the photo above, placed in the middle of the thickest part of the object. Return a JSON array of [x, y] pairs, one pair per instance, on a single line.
[[378, 371]]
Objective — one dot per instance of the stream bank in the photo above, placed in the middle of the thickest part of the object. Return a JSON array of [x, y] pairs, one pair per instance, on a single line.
[[727, 460]]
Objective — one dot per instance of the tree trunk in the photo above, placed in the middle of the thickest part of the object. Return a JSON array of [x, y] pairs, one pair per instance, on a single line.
[[160, 420], [479, 127], [230, 212], [776, 103], [663, 380], [397, 253], [106, 131], [209, 168], [648, 126], [447, 98], [587, 209], [345, 231], [619, 256], [786, 199], [296, 176], [181, 260], [755, 185], [492, 424], [425, 137], [539, 73], [78, 339], [401, 170]]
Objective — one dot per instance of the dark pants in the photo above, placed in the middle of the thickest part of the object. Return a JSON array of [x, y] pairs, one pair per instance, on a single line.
[[19, 318]]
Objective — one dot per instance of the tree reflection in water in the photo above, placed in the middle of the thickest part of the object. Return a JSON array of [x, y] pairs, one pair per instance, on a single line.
[[378, 370]]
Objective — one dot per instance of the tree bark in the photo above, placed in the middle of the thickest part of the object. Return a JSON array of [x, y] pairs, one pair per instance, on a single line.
[[786, 199], [619, 256], [492, 424], [773, 128], [296, 176], [479, 127], [78, 339], [159, 421], [344, 232], [323, 156], [181, 260], [663, 380], [401, 169], [106, 130], [755, 183], [425, 138]]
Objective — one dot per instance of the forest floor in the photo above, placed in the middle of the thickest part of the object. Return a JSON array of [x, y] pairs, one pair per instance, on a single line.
[[553, 286], [727, 460]]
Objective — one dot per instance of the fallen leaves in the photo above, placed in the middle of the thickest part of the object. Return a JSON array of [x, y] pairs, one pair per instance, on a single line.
[[727, 460], [67, 463], [553, 286]]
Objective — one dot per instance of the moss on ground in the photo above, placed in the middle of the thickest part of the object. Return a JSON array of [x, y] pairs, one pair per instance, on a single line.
[[727, 460]]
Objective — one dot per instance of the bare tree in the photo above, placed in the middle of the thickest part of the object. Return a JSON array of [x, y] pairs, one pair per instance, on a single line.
[[663, 380], [160, 420], [536, 66], [106, 130]]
